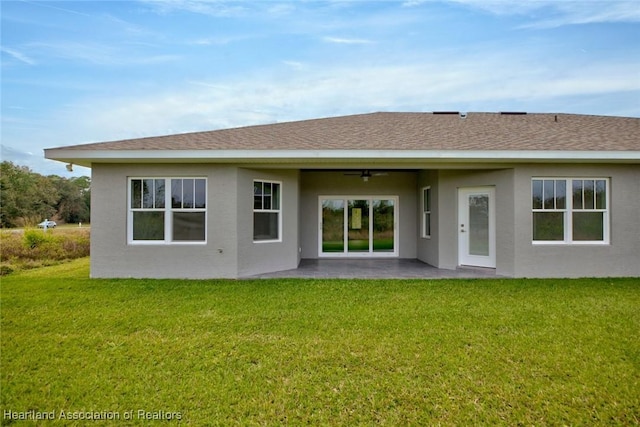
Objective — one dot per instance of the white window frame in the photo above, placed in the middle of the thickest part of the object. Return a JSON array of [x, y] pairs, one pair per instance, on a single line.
[[277, 211], [569, 210], [426, 213], [168, 211]]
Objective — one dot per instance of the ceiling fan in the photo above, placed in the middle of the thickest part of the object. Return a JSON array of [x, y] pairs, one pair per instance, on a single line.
[[366, 174]]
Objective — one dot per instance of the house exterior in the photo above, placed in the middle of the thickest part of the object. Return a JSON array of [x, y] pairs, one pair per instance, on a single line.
[[529, 195]]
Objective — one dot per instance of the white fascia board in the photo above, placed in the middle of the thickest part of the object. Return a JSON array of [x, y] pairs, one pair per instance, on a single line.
[[271, 156]]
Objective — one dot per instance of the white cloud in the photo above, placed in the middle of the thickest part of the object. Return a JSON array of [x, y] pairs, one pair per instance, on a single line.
[[502, 7], [281, 9], [97, 53], [414, 66], [485, 83], [211, 8], [412, 3], [342, 40], [12, 154], [580, 13], [221, 40], [37, 163], [18, 55], [296, 65], [561, 13], [62, 9], [125, 27]]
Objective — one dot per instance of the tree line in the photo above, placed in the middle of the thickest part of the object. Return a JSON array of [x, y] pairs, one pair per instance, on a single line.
[[27, 198]]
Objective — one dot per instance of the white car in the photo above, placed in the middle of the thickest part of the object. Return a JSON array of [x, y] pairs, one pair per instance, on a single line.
[[47, 224]]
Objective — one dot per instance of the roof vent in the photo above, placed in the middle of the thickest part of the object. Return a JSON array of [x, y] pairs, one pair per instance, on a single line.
[[463, 115], [513, 113]]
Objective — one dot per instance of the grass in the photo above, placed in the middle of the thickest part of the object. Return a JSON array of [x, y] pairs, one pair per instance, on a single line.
[[33, 248], [385, 245], [323, 352]]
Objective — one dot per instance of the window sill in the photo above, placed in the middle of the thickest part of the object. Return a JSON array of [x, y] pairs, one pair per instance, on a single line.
[[559, 243], [150, 243]]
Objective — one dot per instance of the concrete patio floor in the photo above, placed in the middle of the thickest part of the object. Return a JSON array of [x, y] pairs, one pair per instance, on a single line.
[[374, 269]]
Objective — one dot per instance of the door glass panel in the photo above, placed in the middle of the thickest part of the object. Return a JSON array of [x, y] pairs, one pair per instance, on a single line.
[[333, 225], [383, 239], [358, 226], [479, 224]]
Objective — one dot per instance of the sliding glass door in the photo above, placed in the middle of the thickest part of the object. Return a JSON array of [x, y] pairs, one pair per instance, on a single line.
[[358, 226]]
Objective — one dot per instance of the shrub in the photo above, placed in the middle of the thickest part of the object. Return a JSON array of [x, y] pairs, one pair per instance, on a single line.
[[35, 238], [36, 248]]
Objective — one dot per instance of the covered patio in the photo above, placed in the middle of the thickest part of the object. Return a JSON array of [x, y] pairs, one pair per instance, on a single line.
[[375, 269]]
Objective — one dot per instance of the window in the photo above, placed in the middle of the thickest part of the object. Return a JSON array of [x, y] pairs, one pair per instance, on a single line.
[[582, 216], [426, 212], [266, 211], [167, 210]]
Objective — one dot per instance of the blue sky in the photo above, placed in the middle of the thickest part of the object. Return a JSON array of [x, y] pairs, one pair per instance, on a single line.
[[90, 71]]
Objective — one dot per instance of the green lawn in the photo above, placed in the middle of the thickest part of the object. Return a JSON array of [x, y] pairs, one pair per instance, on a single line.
[[321, 352], [385, 245]]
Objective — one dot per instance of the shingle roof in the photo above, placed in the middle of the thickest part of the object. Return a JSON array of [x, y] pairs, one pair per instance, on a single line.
[[408, 131]]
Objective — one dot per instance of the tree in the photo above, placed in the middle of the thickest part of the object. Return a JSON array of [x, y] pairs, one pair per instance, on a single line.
[[74, 198], [26, 197]]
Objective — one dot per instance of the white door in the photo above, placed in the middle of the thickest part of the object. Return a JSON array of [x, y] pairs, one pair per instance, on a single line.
[[477, 227]]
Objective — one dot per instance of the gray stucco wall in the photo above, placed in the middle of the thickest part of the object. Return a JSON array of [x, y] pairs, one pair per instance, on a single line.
[[263, 257], [449, 181], [516, 255], [401, 184], [230, 251], [427, 248], [619, 258], [111, 256]]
